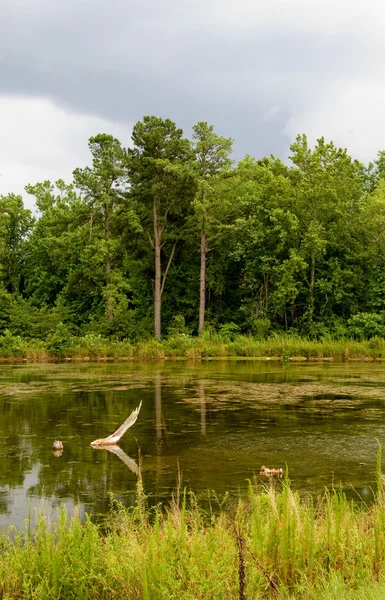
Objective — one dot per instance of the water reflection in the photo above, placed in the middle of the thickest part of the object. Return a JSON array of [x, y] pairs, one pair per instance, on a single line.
[[158, 409], [219, 422], [129, 462], [202, 399]]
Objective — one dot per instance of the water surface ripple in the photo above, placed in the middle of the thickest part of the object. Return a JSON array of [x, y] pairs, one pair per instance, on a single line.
[[216, 421]]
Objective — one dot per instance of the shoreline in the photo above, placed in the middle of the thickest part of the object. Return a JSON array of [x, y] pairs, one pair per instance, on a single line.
[[91, 348], [133, 359]]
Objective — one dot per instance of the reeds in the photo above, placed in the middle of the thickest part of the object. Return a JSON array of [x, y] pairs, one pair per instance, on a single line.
[[273, 543], [91, 347]]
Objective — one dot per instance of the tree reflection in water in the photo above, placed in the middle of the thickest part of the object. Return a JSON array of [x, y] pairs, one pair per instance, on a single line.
[[218, 421]]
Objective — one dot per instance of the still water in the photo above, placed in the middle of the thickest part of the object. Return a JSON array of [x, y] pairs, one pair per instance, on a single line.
[[217, 422]]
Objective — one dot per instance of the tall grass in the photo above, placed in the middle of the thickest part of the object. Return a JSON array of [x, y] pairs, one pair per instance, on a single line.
[[91, 347], [271, 544]]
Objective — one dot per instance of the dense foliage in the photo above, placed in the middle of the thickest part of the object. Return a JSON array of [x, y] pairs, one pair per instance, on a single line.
[[170, 236]]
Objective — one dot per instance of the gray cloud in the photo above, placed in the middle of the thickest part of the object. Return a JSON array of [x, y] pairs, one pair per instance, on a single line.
[[121, 59]]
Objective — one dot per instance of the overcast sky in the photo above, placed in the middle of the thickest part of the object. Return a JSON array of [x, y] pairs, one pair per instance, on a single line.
[[260, 71]]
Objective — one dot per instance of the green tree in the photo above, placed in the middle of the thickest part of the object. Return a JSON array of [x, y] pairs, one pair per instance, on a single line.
[[375, 172], [15, 224], [264, 238], [328, 187], [372, 248], [212, 165], [161, 185], [56, 242], [103, 187]]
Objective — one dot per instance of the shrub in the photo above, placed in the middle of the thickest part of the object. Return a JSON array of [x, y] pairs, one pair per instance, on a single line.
[[30, 322], [11, 345], [178, 326], [229, 331], [59, 342], [366, 326], [260, 328]]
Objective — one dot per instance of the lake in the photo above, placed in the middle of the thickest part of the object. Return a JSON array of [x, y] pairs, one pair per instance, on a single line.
[[215, 422]]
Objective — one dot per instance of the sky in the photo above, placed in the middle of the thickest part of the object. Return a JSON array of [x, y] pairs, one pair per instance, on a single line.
[[260, 71]]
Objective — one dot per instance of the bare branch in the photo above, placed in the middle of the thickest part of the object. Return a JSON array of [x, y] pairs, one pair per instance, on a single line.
[[168, 209], [167, 268], [91, 223], [151, 240]]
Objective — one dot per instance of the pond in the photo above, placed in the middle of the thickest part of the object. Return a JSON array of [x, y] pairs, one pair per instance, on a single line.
[[215, 422]]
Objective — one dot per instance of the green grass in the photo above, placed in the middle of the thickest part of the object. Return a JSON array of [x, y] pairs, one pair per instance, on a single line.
[[193, 348], [271, 544]]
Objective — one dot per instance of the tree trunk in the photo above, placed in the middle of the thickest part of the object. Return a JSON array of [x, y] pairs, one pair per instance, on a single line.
[[158, 405], [266, 286], [311, 288], [202, 291], [159, 279], [158, 276], [109, 300], [108, 266], [202, 398]]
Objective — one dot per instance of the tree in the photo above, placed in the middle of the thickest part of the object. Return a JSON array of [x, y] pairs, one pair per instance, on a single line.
[[212, 165], [328, 187], [375, 172], [263, 241], [104, 186], [161, 184], [53, 248], [372, 246], [15, 224]]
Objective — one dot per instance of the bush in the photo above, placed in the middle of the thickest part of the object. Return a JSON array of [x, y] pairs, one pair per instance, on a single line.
[[330, 327], [366, 326], [260, 328], [178, 326], [91, 344], [11, 345], [229, 331], [30, 322], [5, 308], [60, 341]]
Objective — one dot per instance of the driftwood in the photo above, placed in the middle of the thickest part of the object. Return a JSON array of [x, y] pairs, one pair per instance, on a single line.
[[268, 472], [113, 439]]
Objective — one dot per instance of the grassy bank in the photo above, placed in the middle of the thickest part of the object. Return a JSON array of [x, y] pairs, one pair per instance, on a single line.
[[272, 544], [189, 347]]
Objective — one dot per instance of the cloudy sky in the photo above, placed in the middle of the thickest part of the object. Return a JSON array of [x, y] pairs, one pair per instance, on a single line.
[[260, 71]]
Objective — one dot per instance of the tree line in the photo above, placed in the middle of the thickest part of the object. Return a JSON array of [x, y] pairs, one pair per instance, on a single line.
[[170, 235]]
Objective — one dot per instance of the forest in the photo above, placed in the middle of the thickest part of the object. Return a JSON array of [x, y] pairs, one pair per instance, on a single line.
[[169, 235]]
